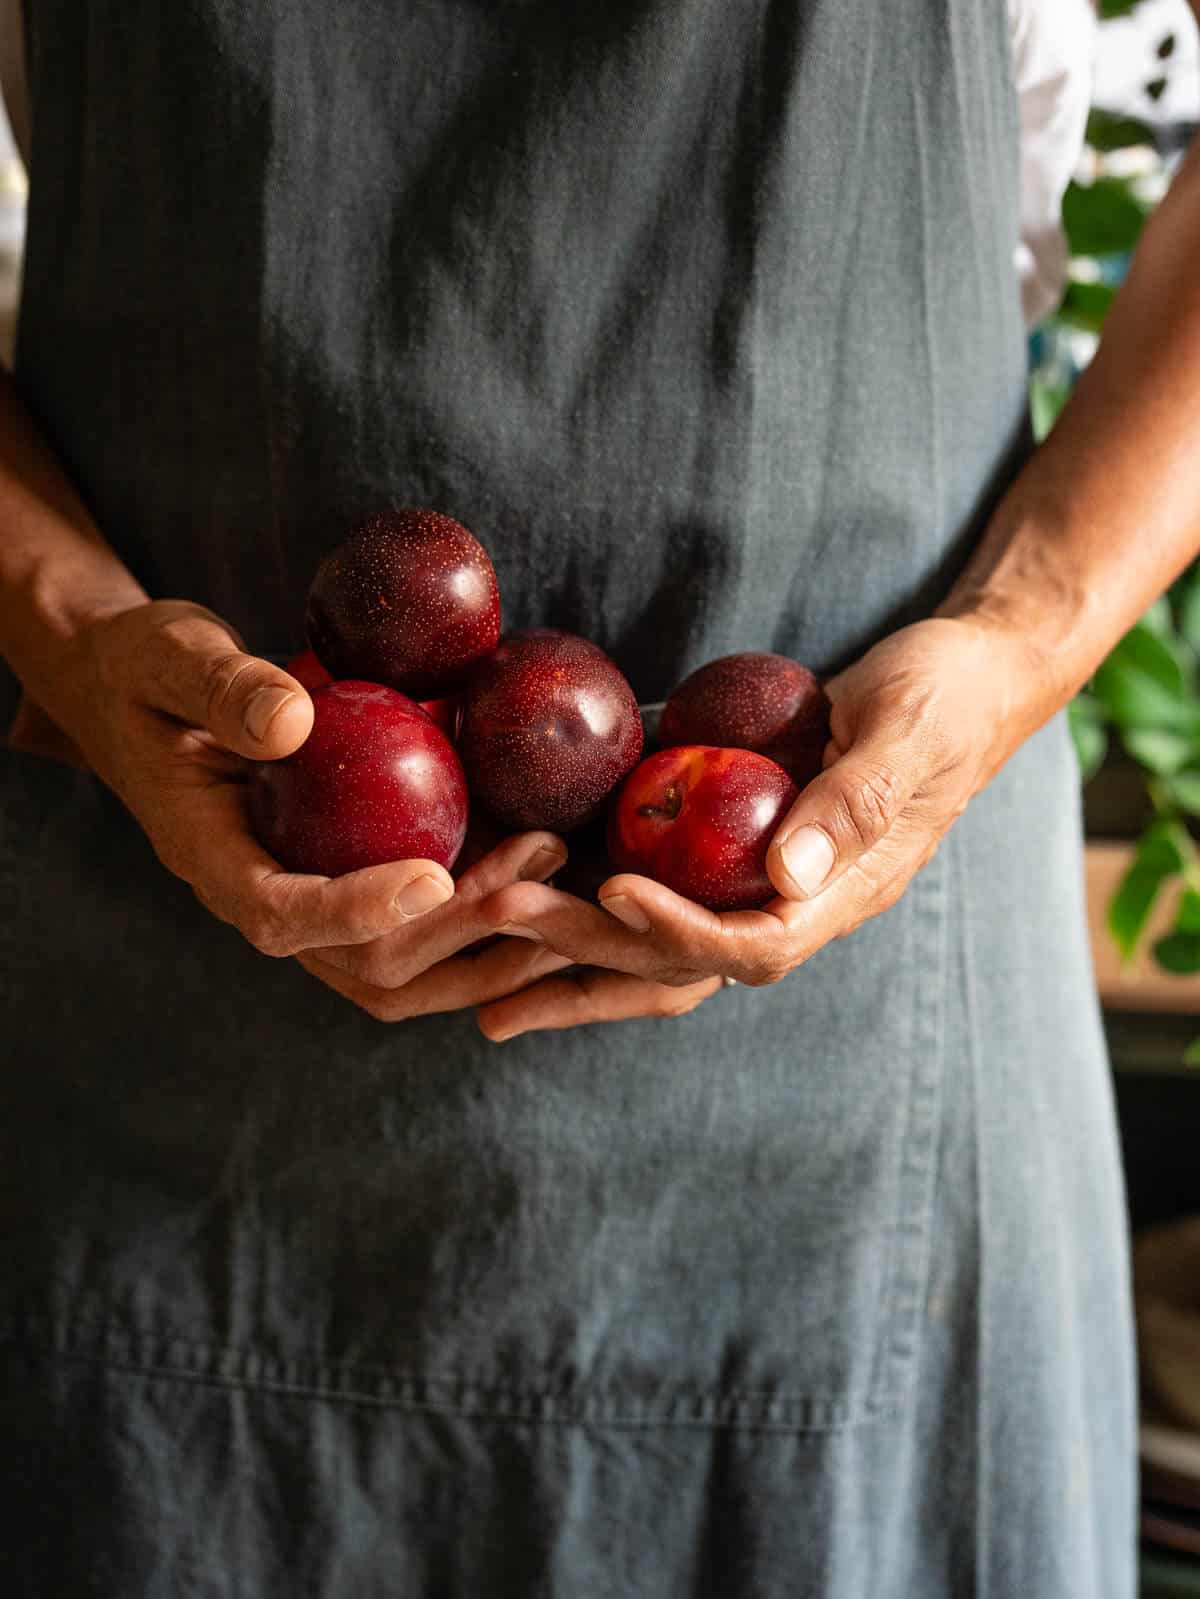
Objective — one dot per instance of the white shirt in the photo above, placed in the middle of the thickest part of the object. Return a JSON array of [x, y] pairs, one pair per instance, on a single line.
[[1052, 46], [1052, 61]]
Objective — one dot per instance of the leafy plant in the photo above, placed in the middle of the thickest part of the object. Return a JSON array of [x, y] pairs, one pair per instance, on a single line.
[[1144, 699]]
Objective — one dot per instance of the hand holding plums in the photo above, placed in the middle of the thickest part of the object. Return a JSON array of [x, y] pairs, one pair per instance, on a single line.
[[919, 725], [177, 708], [781, 812]]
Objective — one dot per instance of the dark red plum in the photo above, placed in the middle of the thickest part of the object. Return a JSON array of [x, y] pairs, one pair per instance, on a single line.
[[753, 701], [409, 600], [700, 820], [549, 727], [375, 781]]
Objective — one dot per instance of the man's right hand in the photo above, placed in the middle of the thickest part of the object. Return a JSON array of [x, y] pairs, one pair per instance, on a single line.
[[177, 708]]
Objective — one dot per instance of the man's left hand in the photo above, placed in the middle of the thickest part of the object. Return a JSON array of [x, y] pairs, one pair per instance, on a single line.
[[920, 724]]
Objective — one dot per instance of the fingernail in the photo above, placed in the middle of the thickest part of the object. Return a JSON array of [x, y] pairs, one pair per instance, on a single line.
[[261, 709], [549, 960], [807, 858], [541, 863], [423, 894], [625, 910], [515, 930]]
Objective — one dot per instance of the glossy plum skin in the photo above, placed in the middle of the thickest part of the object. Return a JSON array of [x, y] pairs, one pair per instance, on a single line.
[[375, 781], [549, 727], [700, 819], [307, 670], [753, 701], [409, 600]]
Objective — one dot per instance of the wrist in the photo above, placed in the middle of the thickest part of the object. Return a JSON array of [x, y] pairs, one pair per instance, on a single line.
[[1036, 607], [49, 619]]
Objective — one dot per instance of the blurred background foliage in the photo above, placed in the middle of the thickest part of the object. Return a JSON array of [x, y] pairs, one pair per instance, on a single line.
[[1142, 708]]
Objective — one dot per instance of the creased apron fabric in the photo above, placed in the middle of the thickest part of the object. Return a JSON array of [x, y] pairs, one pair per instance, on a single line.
[[703, 317]]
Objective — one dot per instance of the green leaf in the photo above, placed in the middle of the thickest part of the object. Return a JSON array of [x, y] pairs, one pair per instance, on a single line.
[[1085, 305], [1158, 618], [1179, 953], [1183, 789], [1108, 131], [1147, 682], [1191, 1055], [1102, 218], [1086, 721], [1165, 847], [1160, 750], [1157, 654], [1135, 700], [1046, 401], [1131, 904], [1163, 851], [1187, 913], [1110, 9], [1187, 605]]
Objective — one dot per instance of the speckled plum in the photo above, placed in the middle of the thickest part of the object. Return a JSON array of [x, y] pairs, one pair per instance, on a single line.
[[700, 820], [306, 669], [375, 781], [409, 600], [753, 701], [549, 727]]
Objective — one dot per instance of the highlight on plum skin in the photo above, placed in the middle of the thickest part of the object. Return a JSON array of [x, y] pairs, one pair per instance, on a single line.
[[409, 599], [375, 781], [700, 820], [549, 727]]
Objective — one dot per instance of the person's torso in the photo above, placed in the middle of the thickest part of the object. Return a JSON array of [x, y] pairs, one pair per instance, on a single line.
[[703, 318]]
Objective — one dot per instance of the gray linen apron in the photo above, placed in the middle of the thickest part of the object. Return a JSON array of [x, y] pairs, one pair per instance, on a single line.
[[703, 316]]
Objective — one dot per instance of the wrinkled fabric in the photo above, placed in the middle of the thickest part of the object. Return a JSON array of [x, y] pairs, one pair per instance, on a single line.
[[705, 321]]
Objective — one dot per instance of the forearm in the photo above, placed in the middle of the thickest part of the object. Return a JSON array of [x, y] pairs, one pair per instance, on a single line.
[[57, 574], [1107, 512]]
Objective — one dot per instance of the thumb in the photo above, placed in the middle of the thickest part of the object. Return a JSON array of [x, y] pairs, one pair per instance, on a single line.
[[199, 672], [843, 813]]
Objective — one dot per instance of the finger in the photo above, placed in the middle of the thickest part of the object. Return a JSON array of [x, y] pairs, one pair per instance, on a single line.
[[523, 858], [396, 958], [194, 668], [459, 983], [666, 938], [586, 996], [846, 811], [283, 912]]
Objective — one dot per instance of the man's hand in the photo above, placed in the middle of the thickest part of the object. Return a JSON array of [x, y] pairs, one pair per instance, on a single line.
[[176, 709], [920, 724]]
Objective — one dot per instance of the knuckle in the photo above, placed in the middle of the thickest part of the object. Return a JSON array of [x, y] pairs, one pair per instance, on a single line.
[[379, 1007], [892, 895], [221, 674], [505, 905], [764, 969], [374, 966], [170, 856], [869, 805], [264, 928]]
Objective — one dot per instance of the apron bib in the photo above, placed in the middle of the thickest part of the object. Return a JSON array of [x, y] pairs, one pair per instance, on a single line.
[[704, 319]]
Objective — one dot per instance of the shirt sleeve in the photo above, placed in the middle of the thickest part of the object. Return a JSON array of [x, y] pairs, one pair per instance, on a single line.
[[1052, 43], [12, 73]]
